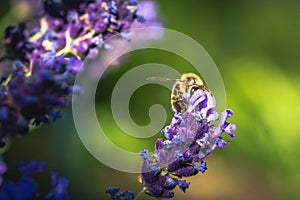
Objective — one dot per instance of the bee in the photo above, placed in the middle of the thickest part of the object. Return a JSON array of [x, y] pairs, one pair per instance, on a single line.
[[183, 89]]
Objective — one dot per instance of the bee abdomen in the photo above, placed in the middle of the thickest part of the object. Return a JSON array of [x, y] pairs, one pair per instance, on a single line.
[[180, 104]]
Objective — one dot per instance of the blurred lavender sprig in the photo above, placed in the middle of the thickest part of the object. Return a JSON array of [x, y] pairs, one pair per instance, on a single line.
[[148, 9], [48, 52], [27, 188], [65, 29], [113, 192], [189, 139]]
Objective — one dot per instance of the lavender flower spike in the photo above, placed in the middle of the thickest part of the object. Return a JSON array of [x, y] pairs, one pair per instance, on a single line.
[[48, 52], [113, 192], [26, 187], [189, 139]]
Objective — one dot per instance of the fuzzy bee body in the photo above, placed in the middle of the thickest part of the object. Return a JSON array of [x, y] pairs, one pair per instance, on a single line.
[[183, 89]]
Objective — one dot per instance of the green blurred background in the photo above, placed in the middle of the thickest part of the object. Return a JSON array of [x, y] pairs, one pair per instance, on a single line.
[[256, 46]]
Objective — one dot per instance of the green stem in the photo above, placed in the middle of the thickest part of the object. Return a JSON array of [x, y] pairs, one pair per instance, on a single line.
[[140, 194]]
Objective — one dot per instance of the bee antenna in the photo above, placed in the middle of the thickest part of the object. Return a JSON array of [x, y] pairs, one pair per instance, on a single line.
[[161, 79]]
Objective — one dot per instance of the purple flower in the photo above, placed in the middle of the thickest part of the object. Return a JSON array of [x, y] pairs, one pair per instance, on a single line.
[[189, 139], [60, 187], [127, 195], [148, 9], [221, 143], [48, 52], [31, 168], [147, 16], [113, 192], [75, 28], [183, 185], [26, 187], [202, 167], [37, 98]]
